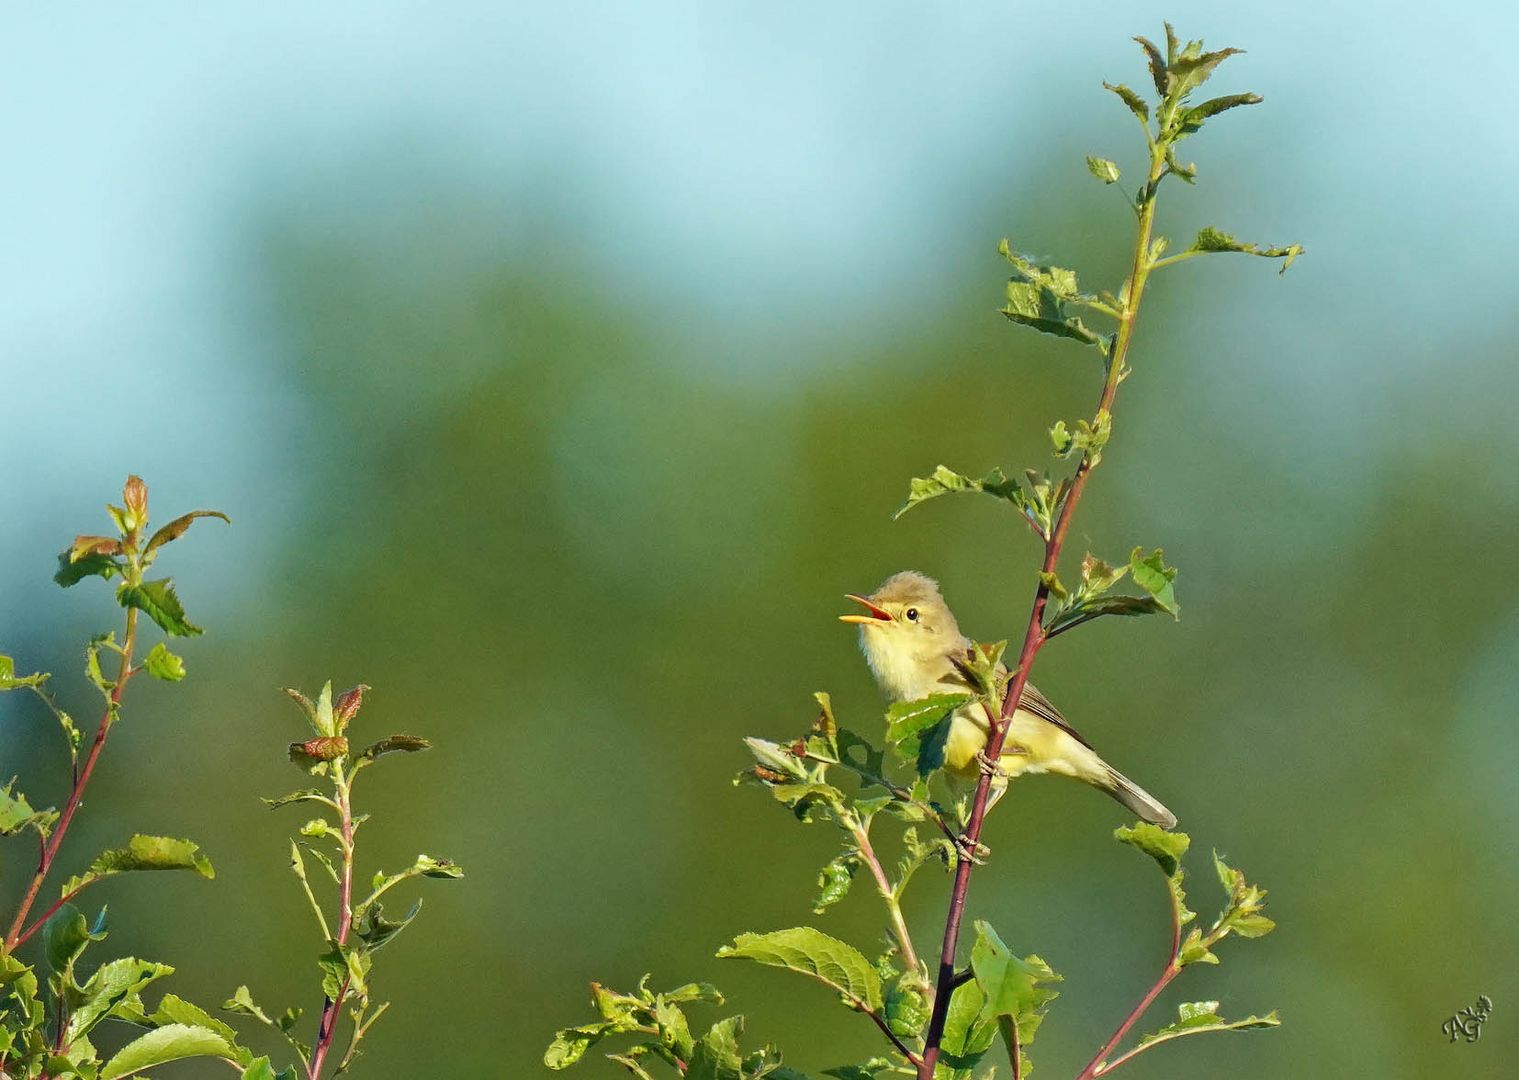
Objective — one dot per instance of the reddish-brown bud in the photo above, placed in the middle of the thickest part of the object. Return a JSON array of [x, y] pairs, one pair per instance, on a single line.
[[347, 705], [323, 747]]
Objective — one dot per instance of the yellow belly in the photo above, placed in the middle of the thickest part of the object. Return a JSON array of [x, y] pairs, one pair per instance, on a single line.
[[1033, 745]]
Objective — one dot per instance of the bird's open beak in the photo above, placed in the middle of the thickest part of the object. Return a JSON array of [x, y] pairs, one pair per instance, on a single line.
[[874, 613]]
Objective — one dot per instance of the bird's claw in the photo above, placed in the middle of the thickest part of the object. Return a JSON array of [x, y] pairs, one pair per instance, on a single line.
[[990, 766], [971, 851]]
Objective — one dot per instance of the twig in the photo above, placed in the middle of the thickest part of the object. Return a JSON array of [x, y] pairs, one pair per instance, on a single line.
[[82, 778], [330, 1006], [889, 897], [1034, 636], [1099, 1066]]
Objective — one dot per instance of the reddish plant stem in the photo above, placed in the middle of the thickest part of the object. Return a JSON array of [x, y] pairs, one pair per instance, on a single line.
[[13, 936], [1096, 1067], [1034, 635], [329, 1022]]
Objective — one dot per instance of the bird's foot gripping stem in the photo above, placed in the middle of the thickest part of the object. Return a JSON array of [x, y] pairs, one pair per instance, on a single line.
[[990, 766], [974, 852]]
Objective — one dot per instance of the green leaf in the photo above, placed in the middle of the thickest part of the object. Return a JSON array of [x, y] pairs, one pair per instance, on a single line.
[[908, 721], [1042, 309], [163, 1045], [716, 1056], [159, 602], [392, 744], [17, 814], [344, 969], [1192, 68], [113, 984], [813, 953], [834, 880], [570, 1044], [1014, 987], [162, 664], [1166, 848], [945, 481], [1213, 106], [72, 571], [1210, 240], [177, 528], [143, 853], [1157, 65], [1103, 169], [173, 1009], [1069, 618], [1135, 103], [9, 679], [1151, 574], [67, 934], [969, 1030], [1197, 1017], [306, 795], [906, 1010], [374, 930]]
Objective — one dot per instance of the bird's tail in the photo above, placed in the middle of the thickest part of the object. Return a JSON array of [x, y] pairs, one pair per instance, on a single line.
[[1138, 800]]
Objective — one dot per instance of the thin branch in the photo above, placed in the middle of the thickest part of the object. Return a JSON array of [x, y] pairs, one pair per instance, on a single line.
[[889, 897], [82, 778], [330, 1006], [1098, 1066], [902, 1047], [1034, 636]]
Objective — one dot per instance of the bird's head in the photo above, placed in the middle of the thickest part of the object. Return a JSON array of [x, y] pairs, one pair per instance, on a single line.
[[906, 631]]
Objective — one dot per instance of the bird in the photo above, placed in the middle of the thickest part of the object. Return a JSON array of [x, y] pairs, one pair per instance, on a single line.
[[912, 641]]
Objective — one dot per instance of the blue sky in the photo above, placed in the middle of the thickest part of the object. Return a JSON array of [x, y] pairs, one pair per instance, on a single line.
[[781, 169]]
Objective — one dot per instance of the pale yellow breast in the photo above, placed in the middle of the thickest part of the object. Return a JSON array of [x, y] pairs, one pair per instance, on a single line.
[[1033, 745]]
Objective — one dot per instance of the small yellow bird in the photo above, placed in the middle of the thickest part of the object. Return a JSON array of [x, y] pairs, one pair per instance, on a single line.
[[910, 639]]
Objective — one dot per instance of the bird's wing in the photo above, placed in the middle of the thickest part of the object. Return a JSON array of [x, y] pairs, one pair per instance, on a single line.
[[1044, 708], [1032, 701]]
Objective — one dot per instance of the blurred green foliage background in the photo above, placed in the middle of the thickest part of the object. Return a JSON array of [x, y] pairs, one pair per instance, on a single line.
[[560, 370]]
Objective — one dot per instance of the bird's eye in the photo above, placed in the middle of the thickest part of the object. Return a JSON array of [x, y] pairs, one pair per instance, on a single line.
[[912, 614]]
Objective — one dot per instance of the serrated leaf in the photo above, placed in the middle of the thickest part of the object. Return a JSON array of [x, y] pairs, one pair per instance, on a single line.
[[716, 1054], [1211, 240], [813, 953], [72, 571], [166, 1044], [159, 602], [112, 984], [1157, 65], [162, 664], [1015, 988], [1166, 848], [1103, 169], [1151, 574], [177, 528], [945, 481], [67, 934], [143, 853], [570, 1044], [9, 679], [834, 880], [1197, 1017], [391, 744], [907, 721], [1213, 106], [1084, 611], [17, 814], [1038, 307], [374, 930], [1135, 103], [969, 1030], [345, 970]]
